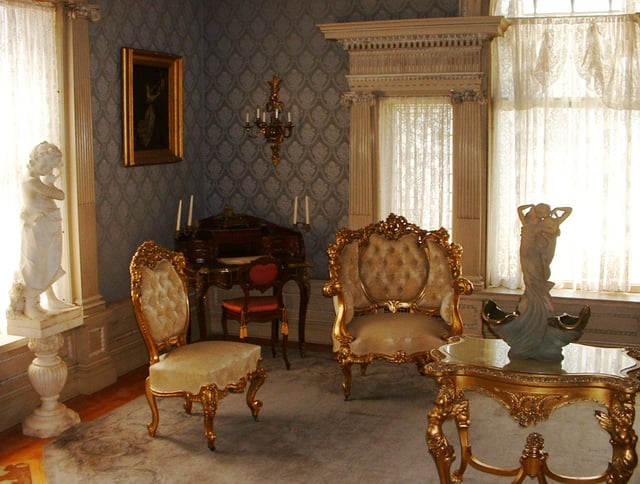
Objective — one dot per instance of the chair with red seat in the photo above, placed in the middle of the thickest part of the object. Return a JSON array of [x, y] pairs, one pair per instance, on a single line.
[[262, 274]]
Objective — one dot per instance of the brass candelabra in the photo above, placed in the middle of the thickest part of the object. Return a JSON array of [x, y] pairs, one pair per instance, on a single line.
[[274, 129]]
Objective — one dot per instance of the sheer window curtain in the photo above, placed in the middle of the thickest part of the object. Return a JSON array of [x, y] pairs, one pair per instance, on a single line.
[[30, 102], [566, 94], [415, 159]]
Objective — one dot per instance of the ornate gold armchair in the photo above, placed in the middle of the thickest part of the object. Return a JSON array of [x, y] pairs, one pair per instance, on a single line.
[[203, 372], [396, 289]]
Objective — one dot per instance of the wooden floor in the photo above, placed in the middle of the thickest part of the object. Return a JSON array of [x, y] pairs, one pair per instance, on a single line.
[[17, 448]]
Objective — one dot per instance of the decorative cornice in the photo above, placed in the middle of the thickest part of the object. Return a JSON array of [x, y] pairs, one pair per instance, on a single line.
[[468, 96], [413, 32], [350, 98], [82, 11], [414, 42]]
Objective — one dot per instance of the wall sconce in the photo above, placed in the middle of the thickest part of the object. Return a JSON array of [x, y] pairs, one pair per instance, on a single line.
[[274, 131]]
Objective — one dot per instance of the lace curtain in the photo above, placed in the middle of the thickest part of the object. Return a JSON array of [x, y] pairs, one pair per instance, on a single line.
[[566, 94], [30, 104], [415, 159]]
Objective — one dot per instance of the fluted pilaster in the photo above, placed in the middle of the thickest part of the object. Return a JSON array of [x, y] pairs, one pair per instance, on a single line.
[[95, 368], [362, 172], [79, 151], [470, 176]]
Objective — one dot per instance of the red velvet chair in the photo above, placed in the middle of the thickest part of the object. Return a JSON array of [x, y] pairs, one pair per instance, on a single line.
[[262, 274]]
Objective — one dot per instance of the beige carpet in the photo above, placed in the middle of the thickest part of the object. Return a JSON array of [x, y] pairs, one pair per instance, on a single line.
[[307, 433]]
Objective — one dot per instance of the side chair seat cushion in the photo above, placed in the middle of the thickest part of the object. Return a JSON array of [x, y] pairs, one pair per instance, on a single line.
[[257, 304], [386, 333], [189, 367]]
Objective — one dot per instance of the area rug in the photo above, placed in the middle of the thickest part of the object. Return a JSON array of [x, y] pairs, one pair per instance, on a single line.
[[17, 473], [307, 433]]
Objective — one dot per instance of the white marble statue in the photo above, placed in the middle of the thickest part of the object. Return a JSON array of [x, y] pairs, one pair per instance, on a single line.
[[41, 251]]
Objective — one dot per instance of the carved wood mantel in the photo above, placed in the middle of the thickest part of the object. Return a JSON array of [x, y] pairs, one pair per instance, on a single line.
[[423, 57]]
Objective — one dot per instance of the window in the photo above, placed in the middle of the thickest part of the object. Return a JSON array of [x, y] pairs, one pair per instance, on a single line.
[[566, 111], [415, 147], [31, 113]]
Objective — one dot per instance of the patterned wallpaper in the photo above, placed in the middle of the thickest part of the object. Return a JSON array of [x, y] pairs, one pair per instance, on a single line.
[[231, 48]]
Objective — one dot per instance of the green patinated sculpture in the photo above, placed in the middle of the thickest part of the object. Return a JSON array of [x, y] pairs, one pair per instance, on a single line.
[[533, 331]]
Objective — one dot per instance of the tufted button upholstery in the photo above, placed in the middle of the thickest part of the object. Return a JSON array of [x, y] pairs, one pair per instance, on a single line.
[[396, 290], [203, 372]]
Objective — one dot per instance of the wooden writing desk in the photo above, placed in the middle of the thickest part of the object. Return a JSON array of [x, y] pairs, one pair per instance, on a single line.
[[531, 390], [215, 246]]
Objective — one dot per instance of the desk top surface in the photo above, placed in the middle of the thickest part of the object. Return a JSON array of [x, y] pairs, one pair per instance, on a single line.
[[578, 359]]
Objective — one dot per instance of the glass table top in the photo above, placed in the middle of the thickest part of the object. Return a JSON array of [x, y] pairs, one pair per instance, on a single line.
[[578, 358]]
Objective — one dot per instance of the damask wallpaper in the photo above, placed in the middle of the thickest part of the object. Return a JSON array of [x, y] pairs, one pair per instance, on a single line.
[[231, 48]]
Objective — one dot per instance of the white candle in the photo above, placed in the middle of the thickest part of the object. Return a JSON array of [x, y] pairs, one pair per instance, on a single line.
[[247, 117], [295, 211], [276, 113], [190, 211], [306, 209], [264, 116], [257, 113], [289, 116], [179, 215]]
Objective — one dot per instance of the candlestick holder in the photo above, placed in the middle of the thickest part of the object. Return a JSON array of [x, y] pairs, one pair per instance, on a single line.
[[186, 232], [302, 226], [274, 129]]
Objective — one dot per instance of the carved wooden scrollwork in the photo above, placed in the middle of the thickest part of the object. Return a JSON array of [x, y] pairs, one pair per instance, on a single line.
[[82, 11]]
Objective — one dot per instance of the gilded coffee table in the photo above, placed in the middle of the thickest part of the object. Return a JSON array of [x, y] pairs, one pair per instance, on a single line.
[[531, 391]]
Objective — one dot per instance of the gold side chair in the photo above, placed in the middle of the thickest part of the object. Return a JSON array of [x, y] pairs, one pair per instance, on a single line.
[[205, 371]]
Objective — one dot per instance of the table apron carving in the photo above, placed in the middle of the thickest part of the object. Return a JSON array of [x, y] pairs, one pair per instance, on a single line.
[[530, 399]]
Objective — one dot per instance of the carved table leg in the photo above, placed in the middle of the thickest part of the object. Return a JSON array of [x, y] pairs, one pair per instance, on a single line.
[[448, 403], [302, 279], [202, 286], [618, 422], [533, 460]]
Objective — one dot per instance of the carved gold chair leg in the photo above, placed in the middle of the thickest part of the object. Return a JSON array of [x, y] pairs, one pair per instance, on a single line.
[[256, 380], [209, 397], [188, 403], [421, 361], [155, 416], [346, 383]]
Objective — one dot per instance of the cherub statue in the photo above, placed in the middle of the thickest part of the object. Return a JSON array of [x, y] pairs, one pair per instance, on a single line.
[[41, 254]]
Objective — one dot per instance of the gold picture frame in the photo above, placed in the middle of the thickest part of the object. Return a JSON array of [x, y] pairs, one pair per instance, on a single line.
[[152, 107]]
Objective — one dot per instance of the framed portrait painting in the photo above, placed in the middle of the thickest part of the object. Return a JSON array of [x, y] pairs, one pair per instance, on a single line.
[[152, 107]]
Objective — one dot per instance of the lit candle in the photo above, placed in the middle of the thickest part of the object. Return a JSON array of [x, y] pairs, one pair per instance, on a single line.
[[295, 211], [190, 211], [179, 215], [306, 209]]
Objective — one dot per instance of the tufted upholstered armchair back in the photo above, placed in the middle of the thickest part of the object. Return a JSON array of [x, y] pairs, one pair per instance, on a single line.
[[396, 290]]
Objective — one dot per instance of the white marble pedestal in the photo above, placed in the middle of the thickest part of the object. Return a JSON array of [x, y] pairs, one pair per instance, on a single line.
[[47, 372]]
